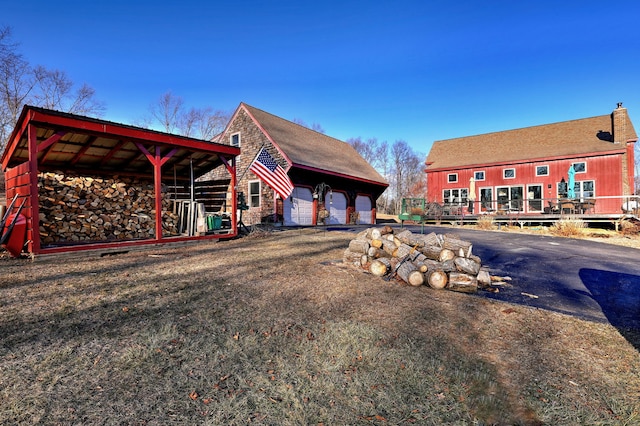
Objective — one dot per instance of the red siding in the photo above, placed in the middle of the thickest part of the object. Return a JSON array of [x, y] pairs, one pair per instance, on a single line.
[[605, 170]]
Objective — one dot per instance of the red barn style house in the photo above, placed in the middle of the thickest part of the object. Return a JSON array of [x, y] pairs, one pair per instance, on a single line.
[[577, 166], [315, 179]]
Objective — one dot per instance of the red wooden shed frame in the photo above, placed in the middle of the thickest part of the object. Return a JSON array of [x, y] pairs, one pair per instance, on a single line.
[[47, 140]]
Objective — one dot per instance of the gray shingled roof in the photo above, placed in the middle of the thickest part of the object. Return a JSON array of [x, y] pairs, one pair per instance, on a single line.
[[308, 148], [568, 138]]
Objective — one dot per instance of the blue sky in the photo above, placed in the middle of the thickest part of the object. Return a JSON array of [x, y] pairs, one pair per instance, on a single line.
[[417, 71]]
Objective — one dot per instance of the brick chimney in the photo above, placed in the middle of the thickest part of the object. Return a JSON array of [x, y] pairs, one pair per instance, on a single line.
[[619, 124]]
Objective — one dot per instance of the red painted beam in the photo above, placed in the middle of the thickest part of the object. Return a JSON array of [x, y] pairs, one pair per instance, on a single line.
[[87, 125], [112, 152], [83, 150], [34, 212], [50, 140]]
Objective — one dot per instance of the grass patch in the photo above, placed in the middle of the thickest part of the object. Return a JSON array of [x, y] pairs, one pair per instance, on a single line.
[[485, 222], [568, 227], [269, 330]]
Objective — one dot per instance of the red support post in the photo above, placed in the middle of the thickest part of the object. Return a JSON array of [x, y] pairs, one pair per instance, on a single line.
[[34, 211], [157, 183]]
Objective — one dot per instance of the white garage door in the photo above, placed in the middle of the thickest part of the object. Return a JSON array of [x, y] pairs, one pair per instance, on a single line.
[[363, 208], [337, 208], [298, 209]]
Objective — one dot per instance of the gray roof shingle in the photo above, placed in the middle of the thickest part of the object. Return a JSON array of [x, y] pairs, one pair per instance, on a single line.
[[568, 138], [308, 148]]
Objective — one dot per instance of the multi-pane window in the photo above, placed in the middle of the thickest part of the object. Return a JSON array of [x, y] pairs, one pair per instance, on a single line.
[[254, 193], [585, 189], [455, 196], [478, 175]]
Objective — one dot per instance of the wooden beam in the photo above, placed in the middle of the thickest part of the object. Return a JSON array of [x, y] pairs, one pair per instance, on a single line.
[[113, 152], [50, 140], [32, 139], [83, 150]]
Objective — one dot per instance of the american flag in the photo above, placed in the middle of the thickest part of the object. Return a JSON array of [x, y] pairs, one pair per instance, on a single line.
[[266, 168]]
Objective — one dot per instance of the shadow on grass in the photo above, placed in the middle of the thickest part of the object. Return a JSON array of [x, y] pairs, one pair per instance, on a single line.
[[618, 295]]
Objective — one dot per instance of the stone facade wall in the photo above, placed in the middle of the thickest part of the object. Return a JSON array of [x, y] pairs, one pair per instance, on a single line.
[[251, 140]]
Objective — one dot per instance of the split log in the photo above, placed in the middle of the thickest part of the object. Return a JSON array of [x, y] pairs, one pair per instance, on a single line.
[[409, 274], [405, 250], [437, 279], [389, 246], [380, 267], [466, 265], [405, 236], [386, 230], [425, 264], [457, 245], [352, 258], [431, 252], [461, 282], [418, 240], [447, 266], [484, 278], [359, 246], [376, 242], [446, 254]]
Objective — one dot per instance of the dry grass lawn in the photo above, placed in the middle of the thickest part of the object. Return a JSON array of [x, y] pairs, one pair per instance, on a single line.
[[271, 329]]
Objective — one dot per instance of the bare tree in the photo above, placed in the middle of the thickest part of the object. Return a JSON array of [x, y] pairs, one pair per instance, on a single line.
[[15, 84], [21, 84], [170, 114], [168, 111]]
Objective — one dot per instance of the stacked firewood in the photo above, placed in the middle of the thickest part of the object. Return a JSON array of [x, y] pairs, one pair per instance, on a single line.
[[83, 208], [439, 261]]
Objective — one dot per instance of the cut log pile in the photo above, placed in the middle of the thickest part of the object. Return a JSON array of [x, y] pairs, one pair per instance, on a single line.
[[439, 261], [74, 209]]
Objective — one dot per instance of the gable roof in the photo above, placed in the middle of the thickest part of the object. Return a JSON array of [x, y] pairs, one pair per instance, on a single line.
[[85, 144], [564, 139], [308, 149]]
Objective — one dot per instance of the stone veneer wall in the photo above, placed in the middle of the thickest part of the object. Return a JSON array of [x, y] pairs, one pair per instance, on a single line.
[[251, 140]]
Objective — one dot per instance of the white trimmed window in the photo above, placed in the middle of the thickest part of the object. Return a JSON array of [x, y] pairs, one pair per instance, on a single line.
[[455, 196], [452, 177], [254, 193], [234, 139], [542, 170], [509, 173], [478, 175], [580, 167]]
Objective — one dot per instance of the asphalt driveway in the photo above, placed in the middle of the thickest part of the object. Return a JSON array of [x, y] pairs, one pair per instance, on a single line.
[[587, 279]]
